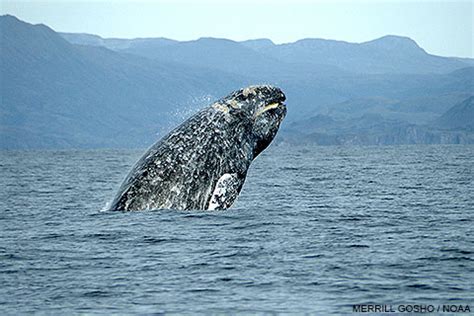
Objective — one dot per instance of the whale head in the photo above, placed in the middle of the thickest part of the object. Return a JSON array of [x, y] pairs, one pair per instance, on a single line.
[[262, 106]]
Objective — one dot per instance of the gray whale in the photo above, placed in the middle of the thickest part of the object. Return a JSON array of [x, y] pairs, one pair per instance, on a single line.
[[202, 164]]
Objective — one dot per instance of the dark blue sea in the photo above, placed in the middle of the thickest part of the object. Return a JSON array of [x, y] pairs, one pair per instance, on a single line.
[[315, 230]]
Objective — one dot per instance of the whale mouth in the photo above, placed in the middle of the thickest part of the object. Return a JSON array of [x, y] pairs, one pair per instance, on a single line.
[[271, 106]]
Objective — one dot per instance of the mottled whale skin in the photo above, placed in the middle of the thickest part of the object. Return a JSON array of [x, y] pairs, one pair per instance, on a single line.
[[202, 164]]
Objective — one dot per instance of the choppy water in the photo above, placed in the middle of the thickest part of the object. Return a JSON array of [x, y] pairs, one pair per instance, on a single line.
[[315, 230]]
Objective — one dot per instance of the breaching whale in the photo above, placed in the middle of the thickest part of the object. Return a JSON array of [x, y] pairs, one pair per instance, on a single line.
[[202, 164]]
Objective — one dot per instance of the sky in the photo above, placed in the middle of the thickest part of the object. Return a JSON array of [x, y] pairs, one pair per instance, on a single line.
[[440, 27]]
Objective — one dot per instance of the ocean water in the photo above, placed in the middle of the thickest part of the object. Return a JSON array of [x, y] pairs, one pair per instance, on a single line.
[[315, 230]]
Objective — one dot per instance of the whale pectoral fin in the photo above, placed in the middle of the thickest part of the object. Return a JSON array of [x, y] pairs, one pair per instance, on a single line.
[[226, 191]]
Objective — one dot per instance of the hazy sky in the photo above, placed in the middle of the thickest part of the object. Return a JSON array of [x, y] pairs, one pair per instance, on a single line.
[[440, 27]]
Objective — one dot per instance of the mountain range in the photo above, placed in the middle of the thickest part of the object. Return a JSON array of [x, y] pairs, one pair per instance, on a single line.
[[66, 90]]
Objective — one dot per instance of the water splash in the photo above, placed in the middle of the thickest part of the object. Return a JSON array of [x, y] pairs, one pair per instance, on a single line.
[[183, 111], [106, 207]]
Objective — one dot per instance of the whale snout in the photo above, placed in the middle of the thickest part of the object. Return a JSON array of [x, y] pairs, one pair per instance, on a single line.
[[280, 97], [272, 93]]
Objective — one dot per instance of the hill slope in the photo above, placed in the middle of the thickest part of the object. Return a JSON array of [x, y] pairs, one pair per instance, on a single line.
[[55, 94], [460, 116]]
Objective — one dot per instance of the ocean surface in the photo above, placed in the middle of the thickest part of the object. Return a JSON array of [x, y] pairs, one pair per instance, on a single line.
[[315, 230]]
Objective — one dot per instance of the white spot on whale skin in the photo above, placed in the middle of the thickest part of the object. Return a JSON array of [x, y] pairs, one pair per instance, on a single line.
[[220, 193], [249, 90], [234, 104], [220, 107]]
